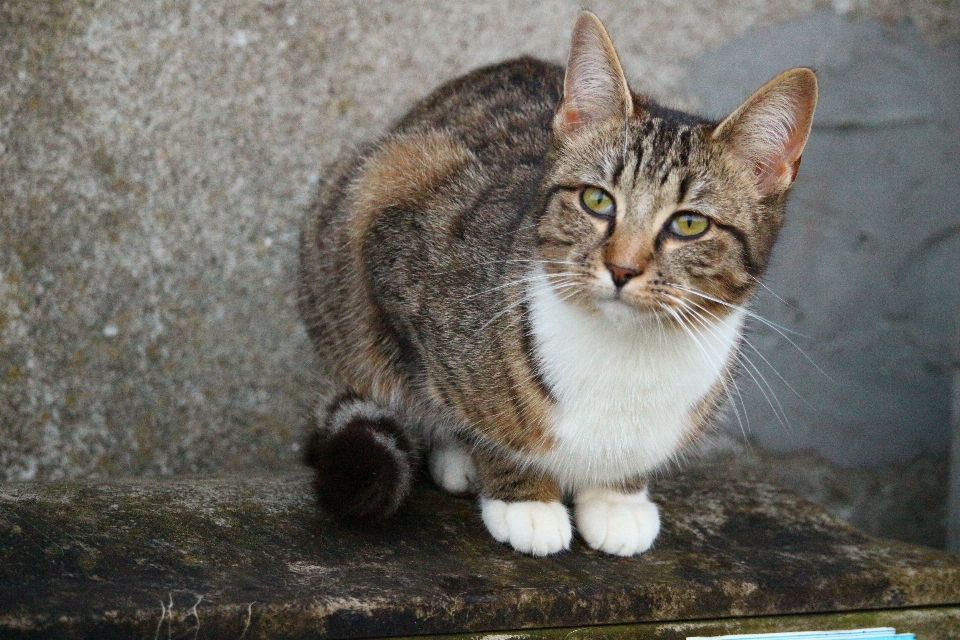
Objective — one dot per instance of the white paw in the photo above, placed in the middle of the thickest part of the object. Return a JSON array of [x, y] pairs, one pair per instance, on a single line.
[[537, 528], [617, 523], [452, 468]]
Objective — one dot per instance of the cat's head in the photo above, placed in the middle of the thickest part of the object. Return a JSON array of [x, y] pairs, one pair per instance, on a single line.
[[651, 212]]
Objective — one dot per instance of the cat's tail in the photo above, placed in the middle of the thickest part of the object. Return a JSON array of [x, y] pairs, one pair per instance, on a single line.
[[364, 462]]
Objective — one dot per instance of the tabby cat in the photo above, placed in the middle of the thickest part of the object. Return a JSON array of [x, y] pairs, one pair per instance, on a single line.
[[538, 278]]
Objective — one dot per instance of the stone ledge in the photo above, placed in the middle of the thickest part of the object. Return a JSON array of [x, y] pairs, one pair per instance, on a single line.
[[252, 558]]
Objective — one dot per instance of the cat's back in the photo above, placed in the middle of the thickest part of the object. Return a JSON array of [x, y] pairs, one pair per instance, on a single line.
[[469, 154], [509, 104]]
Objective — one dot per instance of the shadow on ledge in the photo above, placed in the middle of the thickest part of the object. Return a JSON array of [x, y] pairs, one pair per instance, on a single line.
[[252, 558]]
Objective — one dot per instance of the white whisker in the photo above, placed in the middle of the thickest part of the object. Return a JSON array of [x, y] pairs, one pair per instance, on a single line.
[[778, 410], [508, 261], [500, 314], [755, 350], [722, 378], [512, 283], [763, 385], [772, 292], [736, 307], [779, 329]]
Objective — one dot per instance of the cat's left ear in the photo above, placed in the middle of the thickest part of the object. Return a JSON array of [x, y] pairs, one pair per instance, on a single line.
[[769, 131], [594, 88]]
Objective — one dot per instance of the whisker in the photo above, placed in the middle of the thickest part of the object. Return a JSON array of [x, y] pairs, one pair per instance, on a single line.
[[774, 369], [778, 410], [771, 291], [501, 313], [512, 283], [563, 286], [508, 261], [736, 307], [781, 330], [723, 380], [732, 378], [757, 351], [750, 368]]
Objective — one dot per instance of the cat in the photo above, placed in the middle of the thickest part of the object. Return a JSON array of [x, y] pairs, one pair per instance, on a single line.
[[538, 277]]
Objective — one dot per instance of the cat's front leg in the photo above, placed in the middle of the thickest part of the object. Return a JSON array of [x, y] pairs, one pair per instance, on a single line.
[[617, 522], [522, 507]]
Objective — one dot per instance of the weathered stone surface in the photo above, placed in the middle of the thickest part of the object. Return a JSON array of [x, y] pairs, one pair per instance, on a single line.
[[231, 556], [906, 502]]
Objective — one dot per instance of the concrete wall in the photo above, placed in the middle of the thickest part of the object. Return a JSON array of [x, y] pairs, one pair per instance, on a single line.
[[155, 158]]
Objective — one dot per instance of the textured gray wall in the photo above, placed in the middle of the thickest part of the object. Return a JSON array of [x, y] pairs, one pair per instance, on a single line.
[[155, 158]]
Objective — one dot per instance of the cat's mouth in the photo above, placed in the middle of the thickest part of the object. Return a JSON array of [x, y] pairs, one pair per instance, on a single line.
[[639, 302], [621, 305], [620, 311]]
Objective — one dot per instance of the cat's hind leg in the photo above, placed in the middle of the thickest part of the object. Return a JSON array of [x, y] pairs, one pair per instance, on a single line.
[[451, 466], [522, 507], [364, 460], [617, 522]]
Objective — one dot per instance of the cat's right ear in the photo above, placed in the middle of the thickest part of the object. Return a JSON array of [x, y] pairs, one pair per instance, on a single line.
[[594, 88]]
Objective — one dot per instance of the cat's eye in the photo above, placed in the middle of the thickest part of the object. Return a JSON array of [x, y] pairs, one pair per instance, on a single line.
[[598, 202], [688, 225]]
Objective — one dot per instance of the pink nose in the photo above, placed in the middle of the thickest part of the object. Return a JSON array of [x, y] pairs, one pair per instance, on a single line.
[[622, 275]]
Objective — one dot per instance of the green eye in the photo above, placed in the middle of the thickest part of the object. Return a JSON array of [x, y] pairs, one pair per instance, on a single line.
[[689, 225], [598, 202]]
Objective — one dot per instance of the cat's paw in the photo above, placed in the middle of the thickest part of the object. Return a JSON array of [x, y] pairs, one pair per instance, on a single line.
[[618, 523], [452, 468], [537, 528]]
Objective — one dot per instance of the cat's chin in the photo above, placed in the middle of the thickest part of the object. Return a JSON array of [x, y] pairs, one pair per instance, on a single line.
[[623, 313]]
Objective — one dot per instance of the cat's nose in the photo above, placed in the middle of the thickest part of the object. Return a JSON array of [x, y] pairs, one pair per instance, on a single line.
[[622, 275]]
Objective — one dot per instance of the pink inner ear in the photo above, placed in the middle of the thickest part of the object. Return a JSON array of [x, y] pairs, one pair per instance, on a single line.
[[780, 162], [569, 118], [796, 168], [769, 176], [769, 170]]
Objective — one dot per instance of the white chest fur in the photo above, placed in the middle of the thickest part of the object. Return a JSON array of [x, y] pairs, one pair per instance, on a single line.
[[625, 390]]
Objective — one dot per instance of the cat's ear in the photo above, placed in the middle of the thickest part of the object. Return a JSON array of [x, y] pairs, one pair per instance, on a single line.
[[769, 130], [594, 88]]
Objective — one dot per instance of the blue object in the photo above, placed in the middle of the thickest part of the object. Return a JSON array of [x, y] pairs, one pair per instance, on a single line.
[[880, 633]]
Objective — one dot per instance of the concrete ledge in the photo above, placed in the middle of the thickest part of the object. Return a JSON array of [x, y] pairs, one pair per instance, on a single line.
[[251, 557]]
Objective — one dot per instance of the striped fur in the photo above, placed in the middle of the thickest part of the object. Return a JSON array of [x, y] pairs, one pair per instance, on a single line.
[[462, 298]]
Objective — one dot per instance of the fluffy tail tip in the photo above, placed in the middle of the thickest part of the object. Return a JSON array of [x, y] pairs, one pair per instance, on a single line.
[[362, 470]]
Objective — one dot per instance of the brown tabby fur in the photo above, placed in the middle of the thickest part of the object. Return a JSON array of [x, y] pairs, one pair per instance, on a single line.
[[405, 187]]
